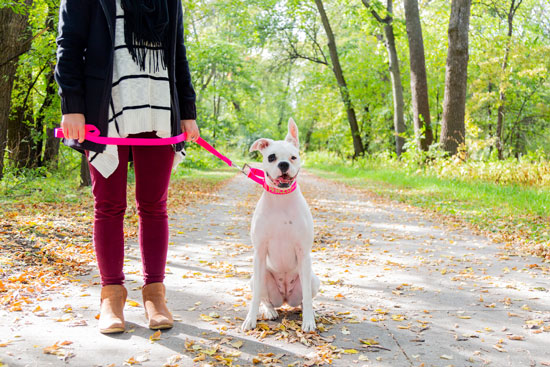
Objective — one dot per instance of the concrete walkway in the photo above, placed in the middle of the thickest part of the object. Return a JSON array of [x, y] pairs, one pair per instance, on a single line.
[[398, 289]]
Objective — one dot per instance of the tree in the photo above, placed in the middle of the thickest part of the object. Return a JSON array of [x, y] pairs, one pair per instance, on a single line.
[[419, 83], [12, 26], [514, 5], [397, 87], [454, 104], [339, 74]]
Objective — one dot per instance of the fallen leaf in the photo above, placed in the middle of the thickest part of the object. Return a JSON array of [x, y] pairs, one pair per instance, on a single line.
[[516, 337], [132, 303], [155, 336], [237, 344]]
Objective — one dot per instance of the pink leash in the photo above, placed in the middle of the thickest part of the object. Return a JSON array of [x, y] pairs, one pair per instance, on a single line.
[[255, 174]]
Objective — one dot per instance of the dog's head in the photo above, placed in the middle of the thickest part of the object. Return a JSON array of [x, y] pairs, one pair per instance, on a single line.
[[281, 158]]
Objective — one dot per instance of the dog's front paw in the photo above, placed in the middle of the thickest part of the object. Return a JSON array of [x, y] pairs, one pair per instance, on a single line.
[[249, 323], [308, 323], [268, 312]]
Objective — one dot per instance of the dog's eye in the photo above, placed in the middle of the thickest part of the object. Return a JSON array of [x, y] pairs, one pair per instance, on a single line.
[[271, 158], [293, 158]]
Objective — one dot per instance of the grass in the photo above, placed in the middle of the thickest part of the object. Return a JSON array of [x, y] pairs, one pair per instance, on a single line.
[[514, 214]]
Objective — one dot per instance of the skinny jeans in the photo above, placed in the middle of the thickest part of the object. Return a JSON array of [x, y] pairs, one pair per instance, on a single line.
[[152, 168]]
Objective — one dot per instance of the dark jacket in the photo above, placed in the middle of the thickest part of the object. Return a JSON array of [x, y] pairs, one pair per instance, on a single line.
[[84, 71]]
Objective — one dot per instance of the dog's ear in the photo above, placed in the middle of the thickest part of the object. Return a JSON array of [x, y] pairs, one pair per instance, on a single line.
[[260, 144], [292, 136]]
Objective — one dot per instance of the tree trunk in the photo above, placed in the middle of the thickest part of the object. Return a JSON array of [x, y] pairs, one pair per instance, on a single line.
[[51, 149], [52, 143], [502, 95], [12, 26], [419, 83], [397, 86], [339, 74], [24, 150], [454, 103]]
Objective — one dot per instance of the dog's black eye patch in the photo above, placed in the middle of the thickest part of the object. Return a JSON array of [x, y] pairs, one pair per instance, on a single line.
[[271, 158], [293, 158]]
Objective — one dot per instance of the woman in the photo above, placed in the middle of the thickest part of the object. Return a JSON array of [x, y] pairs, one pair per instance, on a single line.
[[122, 67]]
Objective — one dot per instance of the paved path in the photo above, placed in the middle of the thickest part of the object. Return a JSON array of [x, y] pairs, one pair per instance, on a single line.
[[397, 290]]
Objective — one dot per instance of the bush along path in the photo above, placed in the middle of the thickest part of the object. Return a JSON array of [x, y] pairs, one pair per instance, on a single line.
[[397, 289]]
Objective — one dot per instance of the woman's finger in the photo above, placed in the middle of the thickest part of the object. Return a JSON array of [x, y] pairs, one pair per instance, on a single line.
[[81, 133]]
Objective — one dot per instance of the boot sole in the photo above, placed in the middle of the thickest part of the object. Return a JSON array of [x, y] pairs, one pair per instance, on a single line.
[[114, 330], [161, 327]]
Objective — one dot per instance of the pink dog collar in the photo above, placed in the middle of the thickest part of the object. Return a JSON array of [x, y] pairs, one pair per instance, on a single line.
[[258, 176]]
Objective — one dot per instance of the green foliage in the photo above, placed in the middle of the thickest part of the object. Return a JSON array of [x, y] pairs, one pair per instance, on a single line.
[[255, 63], [514, 211]]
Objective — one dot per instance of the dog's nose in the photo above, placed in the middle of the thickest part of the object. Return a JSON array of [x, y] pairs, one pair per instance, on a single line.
[[283, 166]]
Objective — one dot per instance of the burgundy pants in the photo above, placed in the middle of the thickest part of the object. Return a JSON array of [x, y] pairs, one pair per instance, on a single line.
[[152, 166]]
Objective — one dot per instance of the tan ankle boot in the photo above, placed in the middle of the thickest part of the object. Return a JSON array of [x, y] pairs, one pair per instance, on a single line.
[[154, 301], [111, 319]]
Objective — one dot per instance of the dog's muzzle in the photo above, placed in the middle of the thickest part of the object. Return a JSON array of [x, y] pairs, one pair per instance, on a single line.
[[284, 181]]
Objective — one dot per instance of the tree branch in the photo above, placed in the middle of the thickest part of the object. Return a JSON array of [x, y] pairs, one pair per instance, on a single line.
[[295, 54], [375, 14], [25, 47]]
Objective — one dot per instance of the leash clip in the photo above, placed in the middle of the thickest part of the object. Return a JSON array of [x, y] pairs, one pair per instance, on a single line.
[[245, 170]]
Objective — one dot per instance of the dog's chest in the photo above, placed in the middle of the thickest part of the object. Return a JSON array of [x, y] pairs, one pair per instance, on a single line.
[[284, 228]]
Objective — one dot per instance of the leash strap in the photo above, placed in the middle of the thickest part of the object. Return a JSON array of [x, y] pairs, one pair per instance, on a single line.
[[255, 174], [92, 134]]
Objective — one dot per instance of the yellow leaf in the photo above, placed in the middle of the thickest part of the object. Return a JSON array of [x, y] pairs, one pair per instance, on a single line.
[[155, 336], [131, 361], [206, 317], [237, 344], [132, 303], [516, 337], [368, 341], [51, 349], [350, 351], [201, 357], [398, 317]]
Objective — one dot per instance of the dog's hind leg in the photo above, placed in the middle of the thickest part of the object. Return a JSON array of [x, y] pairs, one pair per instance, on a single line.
[[274, 299]]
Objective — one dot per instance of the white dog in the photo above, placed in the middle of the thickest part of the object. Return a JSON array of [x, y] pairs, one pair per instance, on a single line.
[[282, 235]]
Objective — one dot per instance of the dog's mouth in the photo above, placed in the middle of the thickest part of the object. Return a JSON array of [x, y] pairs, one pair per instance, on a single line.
[[283, 181]]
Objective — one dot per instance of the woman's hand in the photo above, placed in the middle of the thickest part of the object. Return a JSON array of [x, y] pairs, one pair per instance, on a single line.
[[190, 127], [73, 126]]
